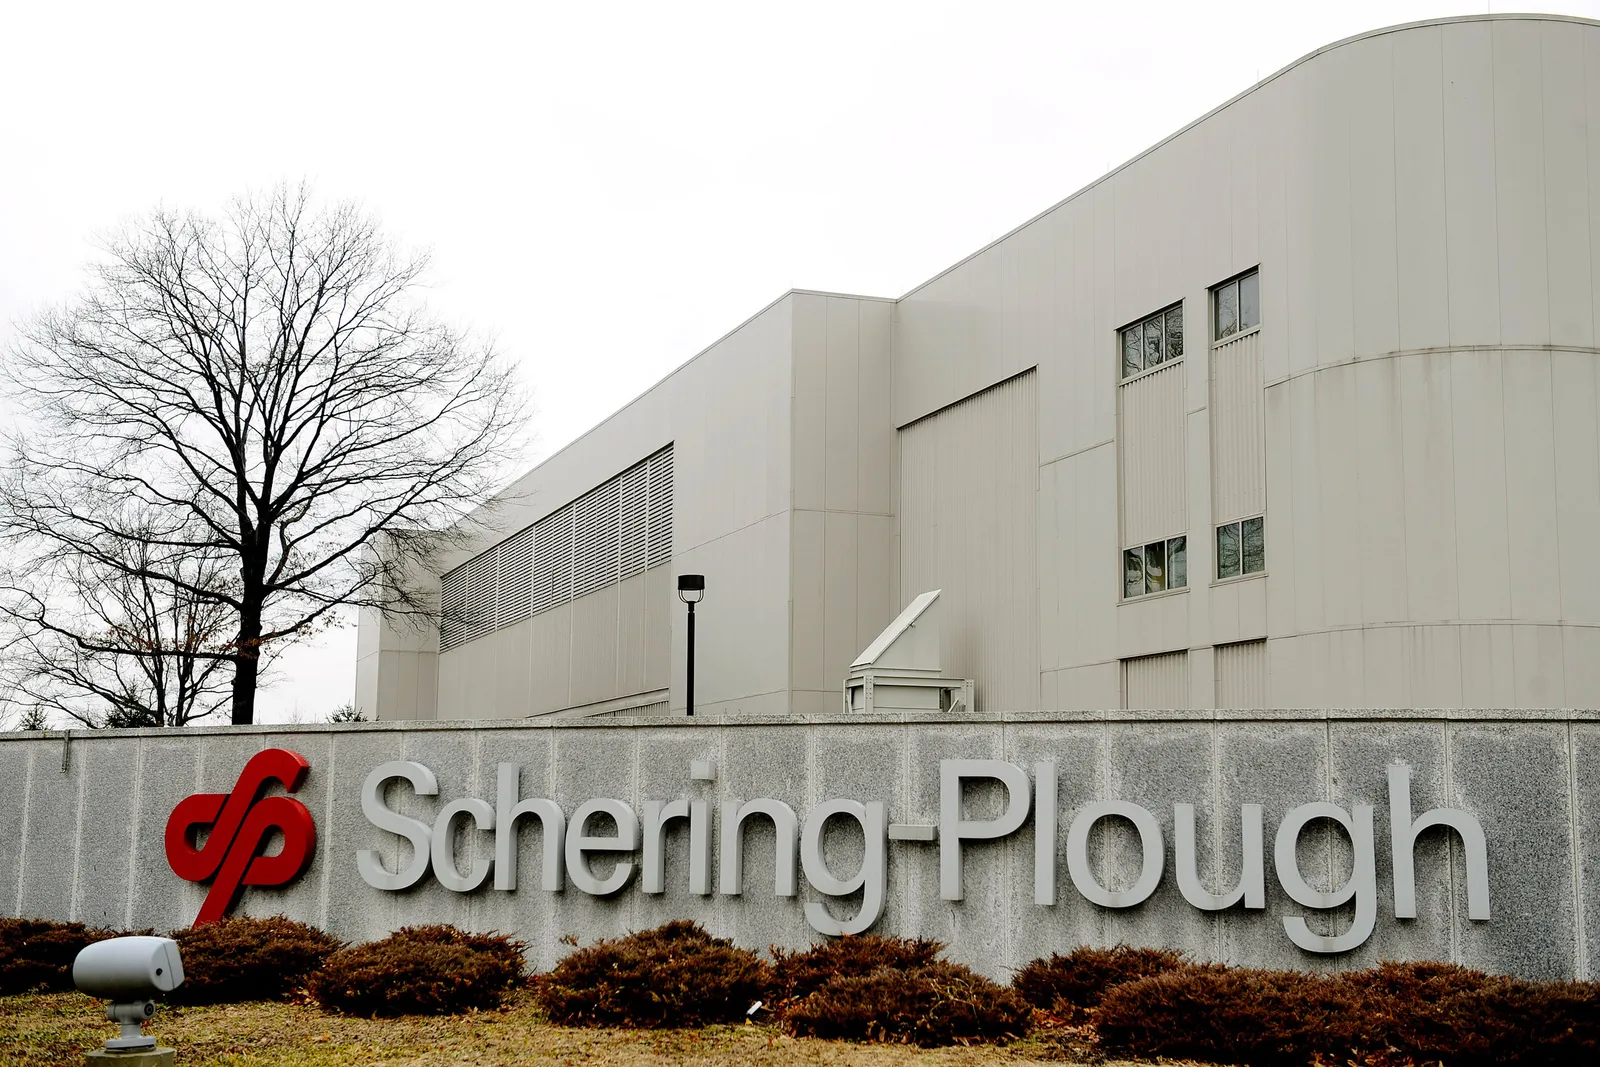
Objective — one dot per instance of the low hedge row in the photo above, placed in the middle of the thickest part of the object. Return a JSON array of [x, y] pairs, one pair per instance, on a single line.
[[863, 988], [1395, 1012], [420, 970], [1143, 1002], [425, 970], [36, 954]]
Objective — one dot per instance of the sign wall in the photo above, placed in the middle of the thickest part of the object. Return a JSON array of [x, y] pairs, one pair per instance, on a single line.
[[1292, 841]]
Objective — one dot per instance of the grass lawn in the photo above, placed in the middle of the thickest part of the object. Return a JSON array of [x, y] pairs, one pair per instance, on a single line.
[[58, 1028]]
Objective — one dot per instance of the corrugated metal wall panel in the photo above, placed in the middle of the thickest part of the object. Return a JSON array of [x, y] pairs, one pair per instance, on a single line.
[[552, 560], [596, 539], [594, 647], [968, 525], [1156, 683], [1242, 675], [659, 600], [634, 491], [478, 615], [1238, 430], [634, 619], [551, 642], [1151, 443], [452, 608], [601, 627], [659, 533], [514, 579]]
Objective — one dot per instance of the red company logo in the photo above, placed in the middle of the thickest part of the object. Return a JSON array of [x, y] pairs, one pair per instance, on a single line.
[[237, 826]]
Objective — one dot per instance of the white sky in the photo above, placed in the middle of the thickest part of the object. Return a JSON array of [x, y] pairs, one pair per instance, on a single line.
[[608, 188]]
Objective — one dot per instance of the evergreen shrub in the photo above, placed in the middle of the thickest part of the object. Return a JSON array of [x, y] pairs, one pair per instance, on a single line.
[[422, 970], [243, 959], [676, 975]]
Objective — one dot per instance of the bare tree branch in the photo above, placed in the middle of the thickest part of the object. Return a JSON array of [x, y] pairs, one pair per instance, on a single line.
[[228, 424]]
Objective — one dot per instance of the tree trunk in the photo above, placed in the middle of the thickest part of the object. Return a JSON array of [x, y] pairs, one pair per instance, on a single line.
[[246, 666], [247, 662]]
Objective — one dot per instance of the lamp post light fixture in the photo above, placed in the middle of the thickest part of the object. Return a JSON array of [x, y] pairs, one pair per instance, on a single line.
[[691, 588]]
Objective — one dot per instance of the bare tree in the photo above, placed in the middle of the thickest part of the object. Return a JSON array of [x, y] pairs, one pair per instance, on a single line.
[[113, 646], [269, 388]]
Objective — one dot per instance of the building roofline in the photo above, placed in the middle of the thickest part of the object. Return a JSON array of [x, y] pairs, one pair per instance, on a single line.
[[647, 390], [1366, 35]]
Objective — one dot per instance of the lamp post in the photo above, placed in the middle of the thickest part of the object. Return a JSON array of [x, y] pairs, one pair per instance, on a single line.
[[691, 588]]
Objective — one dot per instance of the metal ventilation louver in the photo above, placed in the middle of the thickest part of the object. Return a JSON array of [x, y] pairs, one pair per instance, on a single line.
[[616, 530]]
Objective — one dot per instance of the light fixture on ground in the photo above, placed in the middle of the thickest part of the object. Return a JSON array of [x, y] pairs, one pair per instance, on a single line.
[[130, 972], [691, 588]]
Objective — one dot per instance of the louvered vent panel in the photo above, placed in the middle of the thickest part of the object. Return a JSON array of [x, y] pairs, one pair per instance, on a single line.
[[634, 497], [660, 519], [552, 560], [479, 614], [514, 579], [452, 605], [612, 532], [1242, 675], [594, 538], [1156, 683]]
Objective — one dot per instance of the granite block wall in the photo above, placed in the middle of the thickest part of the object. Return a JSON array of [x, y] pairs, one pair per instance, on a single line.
[[82, 818]]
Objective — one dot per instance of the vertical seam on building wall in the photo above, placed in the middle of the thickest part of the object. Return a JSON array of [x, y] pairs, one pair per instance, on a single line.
[[1218, 918], [1505, 489], [1581, 960], [1102, 785], [1588, 125], [1500, 332], [1008, 863], [1394, 154], [77, 839], [135, 816], [1450, 848], [638, 805], [913, 883], [716, 791], [327, 821], [1555, 480], [1329, 917], [27, 806]]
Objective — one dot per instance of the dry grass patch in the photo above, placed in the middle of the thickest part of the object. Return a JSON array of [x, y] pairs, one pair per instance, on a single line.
[[58, 1028]]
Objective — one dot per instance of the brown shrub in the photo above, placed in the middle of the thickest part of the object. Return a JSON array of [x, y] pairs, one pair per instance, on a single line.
[[506, 952], [37, 954], [1439, 1011], [1073, 984], [1262, 1018], [427, 970], [931, 1004], [249, 959], [798, 974], [1423, 1012], [675, 975]]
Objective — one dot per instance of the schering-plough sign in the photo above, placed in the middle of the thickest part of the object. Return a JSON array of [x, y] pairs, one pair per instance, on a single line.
[[635, 840], [239, 825]]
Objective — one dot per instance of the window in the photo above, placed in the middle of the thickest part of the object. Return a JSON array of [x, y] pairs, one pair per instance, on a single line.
[[1156, 567], [1241, 548], [1156, 340], [1236, 306]]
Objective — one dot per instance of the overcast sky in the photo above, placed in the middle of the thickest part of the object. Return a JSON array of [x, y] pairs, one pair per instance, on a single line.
[[608, 188]]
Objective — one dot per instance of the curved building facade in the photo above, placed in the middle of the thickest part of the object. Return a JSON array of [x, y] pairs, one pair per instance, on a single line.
[[1300, 408]]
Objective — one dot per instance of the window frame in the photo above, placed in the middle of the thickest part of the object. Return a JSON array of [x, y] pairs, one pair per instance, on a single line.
[[1166, 568], [1211, 311], [1160, 314], [1217, 577]]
